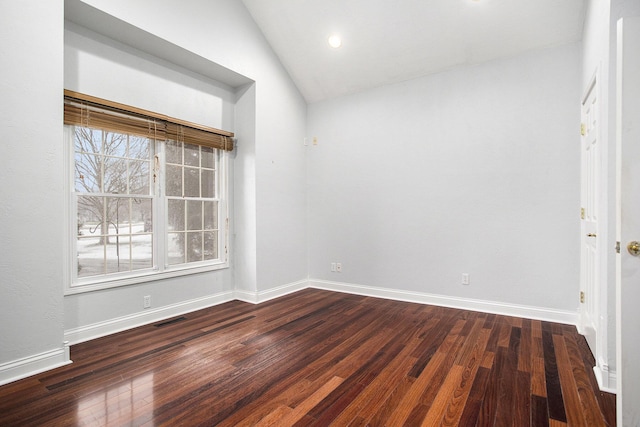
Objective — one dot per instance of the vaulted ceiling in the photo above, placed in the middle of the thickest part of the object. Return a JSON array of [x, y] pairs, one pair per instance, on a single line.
[[388, 41]]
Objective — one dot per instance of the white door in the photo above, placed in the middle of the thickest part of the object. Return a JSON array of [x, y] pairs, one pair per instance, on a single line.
[[628, 271], [589, 295]]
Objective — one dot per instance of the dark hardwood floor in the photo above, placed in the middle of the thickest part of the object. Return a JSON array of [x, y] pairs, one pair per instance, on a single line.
[[321, 358]]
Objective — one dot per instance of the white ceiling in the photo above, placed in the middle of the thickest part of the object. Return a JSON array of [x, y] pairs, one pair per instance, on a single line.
[[387, 41]]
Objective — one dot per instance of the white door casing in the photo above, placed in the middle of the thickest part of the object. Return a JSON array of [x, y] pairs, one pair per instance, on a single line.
[[628, 221]]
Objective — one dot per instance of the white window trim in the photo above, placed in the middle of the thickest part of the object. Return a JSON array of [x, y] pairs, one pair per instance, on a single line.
[[161, 269]]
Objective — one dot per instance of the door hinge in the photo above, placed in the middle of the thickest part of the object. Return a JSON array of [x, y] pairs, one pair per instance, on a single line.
[[583, 129], [581, 213], [581, 297], [617, 247]]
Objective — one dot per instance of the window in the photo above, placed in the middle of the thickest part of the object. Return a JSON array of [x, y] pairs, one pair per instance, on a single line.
[[148, 195], [192, 206], [114, 202]]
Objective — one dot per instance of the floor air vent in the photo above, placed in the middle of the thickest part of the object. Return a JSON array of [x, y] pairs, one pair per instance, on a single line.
[[169, 322]]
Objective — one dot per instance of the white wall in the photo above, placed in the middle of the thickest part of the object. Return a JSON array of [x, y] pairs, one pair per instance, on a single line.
[[474, 170], [31, 207], [244, 221], [595, 40], [99, 66]]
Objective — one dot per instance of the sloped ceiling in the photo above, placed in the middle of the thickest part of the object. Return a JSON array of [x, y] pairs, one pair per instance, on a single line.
[[387, 41]]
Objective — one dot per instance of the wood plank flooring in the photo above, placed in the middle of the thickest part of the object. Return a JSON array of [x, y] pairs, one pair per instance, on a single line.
[[318, 358]]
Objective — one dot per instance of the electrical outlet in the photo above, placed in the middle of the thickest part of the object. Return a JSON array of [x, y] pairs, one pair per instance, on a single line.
[[147, 301], [339, 267], [465, 278]]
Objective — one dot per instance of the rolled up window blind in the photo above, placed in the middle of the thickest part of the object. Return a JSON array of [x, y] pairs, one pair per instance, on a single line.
[[93, 112]]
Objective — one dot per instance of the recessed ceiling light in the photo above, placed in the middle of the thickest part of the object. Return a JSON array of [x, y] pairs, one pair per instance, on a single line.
[[335, 41]]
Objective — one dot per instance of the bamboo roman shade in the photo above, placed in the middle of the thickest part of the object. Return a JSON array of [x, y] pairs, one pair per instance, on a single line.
[[89, 111]]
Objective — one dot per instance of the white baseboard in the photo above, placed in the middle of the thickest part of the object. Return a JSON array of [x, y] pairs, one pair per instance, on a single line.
[[101, 329], [607, 379], [528, 312], [258, 297], [32, 365]]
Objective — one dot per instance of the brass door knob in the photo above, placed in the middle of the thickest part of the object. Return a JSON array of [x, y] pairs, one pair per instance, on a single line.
[[634, 248]]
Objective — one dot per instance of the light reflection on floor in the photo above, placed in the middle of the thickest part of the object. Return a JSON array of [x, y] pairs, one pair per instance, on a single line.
[[126, 403]]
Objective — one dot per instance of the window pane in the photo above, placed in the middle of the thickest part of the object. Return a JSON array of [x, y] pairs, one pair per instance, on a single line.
[[210, 245], [139, 147], [174, 181], [173, 152], [87, 173], [115, 175], [208, 183], [141, 251], [115, 144], [176, 248], [91, 215], [114, 206], [210, 215], [121, 215], [176, 214], [192, 155], [194, 246], [191, 182], [118, 255], [207, 155], [139, 179], [194, 215], [87, 140], [141, 216], [90, 256], [92, 236]]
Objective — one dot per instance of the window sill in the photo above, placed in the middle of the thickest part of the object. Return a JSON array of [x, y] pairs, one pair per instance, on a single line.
[[141, 277]]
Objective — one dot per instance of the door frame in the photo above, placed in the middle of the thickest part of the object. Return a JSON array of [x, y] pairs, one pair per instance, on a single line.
[[599, 318], [627, 226]]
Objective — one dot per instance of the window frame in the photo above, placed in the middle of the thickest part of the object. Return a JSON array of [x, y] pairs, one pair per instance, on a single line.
[[160, 267]]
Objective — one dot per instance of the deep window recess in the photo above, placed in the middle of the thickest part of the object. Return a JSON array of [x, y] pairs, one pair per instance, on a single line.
[[148, 194]]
